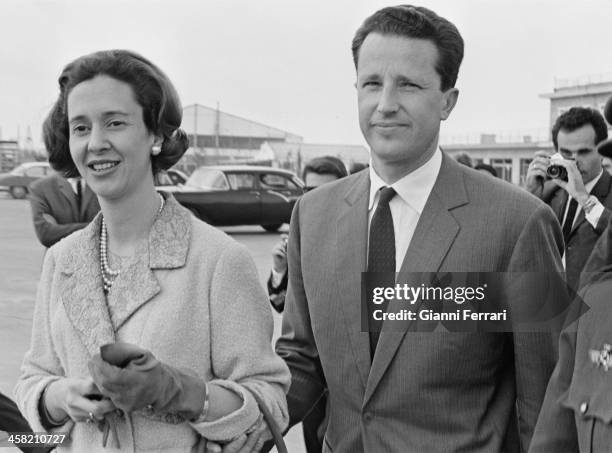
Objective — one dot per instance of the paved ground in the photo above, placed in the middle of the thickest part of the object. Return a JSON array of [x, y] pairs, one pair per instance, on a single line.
[[20, 262]]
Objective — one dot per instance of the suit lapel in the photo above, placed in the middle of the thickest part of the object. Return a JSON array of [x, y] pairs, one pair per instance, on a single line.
[[87, 198], [558, 204], [80, 288], [435, 233], [352, 232], [80, 283], [166, 248], [66, 190]]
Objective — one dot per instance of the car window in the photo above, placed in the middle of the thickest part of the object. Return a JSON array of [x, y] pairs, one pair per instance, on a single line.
[[35, 172], [18, 171], [241, 181], [275, 181], [207, 178]]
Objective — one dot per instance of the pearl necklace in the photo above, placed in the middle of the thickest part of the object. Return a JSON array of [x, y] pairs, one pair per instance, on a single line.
[[109, 275]]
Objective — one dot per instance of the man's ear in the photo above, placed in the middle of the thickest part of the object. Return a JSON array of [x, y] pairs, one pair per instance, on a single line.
[[449, 100]]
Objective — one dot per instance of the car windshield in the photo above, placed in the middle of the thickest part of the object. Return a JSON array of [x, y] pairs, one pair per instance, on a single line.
[[18, 171], [207, 178]]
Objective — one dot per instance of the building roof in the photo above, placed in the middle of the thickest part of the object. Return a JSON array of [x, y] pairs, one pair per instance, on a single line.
[[307, 151], [201, 120]]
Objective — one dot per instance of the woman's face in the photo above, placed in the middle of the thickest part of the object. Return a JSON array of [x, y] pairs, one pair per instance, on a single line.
[[109, 142]]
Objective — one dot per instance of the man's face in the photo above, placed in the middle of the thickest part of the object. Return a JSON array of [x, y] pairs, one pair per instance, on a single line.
[[400, 101], [579, 145], [312, 180]]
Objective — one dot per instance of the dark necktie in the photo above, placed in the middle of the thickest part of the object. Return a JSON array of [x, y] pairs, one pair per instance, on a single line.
[[381, 255], [569, 218]]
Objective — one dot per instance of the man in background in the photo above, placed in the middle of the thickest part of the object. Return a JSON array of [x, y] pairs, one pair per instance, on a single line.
[[317, 172], [582, 200], [60, 206]]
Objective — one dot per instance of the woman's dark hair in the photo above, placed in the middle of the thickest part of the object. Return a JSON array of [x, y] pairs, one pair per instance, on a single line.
[[161, 107]]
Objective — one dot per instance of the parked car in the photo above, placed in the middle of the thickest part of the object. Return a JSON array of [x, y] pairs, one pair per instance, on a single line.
[[16, 182], [241, 195], [167, 180]]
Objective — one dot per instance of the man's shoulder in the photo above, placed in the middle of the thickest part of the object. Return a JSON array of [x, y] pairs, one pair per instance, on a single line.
[[46, 182], [335, 191], [495, 192]]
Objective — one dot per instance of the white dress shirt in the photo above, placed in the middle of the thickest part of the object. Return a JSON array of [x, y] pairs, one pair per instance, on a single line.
[[412, 190], [594, 214]]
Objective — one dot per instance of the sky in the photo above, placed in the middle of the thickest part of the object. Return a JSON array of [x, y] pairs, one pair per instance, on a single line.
[[287, 63]]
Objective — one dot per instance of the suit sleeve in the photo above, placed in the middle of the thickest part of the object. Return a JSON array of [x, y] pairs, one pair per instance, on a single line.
[[277, 293], [556, 428], [297, 345], [47, 232], [600, 260], [537, 250]]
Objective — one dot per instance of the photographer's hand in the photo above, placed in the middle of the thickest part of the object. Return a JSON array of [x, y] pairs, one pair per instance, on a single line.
[[279, 255], [574, 185], [536, 173]]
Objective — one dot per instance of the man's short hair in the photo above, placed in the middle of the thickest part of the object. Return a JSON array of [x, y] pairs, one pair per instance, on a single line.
[[465, 159], [418, 23], [326, 165], [486, 167], [577, 117]]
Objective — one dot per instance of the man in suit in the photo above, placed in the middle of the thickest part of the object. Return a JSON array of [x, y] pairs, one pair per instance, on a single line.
[[317, 172], [582, 202], [60, 206], [413, 391], [400, 390]]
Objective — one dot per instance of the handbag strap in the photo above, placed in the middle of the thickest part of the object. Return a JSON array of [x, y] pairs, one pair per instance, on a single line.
[[277, 435]]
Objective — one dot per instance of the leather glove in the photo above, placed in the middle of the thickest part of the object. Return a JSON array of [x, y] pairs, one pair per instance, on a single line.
[[134, 379]]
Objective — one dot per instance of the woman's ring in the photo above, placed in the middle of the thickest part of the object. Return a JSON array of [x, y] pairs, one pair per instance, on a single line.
[[91, 418]]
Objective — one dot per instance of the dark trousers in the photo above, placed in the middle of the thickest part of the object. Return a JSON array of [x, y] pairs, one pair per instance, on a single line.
[[314, 426]]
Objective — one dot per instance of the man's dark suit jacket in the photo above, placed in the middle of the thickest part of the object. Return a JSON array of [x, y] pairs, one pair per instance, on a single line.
[[53, 196], [583, 236], [422, 391], [11, 421]]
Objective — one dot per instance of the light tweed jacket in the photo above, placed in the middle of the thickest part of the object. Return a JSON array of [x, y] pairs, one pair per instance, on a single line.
[[194, 301]]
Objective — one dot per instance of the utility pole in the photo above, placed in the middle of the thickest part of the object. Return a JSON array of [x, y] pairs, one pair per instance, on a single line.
[[217, 127]]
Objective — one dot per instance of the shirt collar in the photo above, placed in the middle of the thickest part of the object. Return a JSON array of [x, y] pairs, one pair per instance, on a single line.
[[415, 187]]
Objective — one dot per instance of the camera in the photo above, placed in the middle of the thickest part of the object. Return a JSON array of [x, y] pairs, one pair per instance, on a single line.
[[556, 171]]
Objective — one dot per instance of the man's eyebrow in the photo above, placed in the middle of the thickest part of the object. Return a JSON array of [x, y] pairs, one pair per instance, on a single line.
[[581, 150]]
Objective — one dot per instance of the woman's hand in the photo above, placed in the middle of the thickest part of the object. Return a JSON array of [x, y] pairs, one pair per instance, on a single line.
[[134, 379], [76, 398]]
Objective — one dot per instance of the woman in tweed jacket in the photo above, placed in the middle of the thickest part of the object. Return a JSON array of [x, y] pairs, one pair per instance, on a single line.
[[146, 277]]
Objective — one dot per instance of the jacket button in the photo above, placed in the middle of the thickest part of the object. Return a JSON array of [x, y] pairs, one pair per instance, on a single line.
[[583, 407], [368, 416]]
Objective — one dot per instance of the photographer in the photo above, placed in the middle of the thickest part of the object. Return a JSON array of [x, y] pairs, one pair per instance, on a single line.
[[574, 184]]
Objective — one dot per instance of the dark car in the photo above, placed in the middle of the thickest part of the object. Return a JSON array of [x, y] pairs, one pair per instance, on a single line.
[[17, 181], [241, 195]]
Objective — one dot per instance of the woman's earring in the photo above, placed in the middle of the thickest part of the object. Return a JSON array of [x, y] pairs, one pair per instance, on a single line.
[[156, 149]]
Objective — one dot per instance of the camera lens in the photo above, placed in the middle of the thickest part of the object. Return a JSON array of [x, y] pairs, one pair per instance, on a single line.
[[557, 172]]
